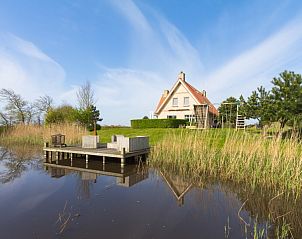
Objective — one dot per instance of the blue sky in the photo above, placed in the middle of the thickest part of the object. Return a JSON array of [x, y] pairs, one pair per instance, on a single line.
[[131, 51]]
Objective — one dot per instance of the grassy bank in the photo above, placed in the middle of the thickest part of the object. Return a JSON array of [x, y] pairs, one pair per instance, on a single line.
[[155, 135], [37, 134], [235, 156], [219, 154]]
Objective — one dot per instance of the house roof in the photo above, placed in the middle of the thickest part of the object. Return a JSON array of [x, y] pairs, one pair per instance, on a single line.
[[200, 97]]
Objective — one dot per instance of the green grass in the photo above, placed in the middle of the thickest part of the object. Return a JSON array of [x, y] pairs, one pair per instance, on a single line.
[[155, 135]]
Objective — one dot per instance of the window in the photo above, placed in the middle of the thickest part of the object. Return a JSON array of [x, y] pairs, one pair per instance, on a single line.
[[171, 116], [186, 101], [175, 102], [191, 118]]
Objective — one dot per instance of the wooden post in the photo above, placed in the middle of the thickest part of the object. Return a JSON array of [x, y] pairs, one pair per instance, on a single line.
[[104, 159], [45, 156], [123, 157], [46, 144], [87, 160]]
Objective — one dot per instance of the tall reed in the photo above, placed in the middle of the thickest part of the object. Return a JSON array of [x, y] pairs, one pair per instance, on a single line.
[[231, 155], [37, 134]]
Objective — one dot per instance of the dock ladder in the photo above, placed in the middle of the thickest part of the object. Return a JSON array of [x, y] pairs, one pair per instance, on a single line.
[[240, 120]]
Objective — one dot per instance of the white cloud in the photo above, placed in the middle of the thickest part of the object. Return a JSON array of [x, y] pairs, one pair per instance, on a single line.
[[166, 51], [133, 92], [158, 51], [122, 94], [126, 94], [258, 65], [132, 14], [28, 70]]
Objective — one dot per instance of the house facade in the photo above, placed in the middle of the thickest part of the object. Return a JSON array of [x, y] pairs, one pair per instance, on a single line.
[[179, 102]]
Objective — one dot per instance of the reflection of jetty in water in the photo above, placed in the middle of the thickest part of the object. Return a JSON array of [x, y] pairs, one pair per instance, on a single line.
[[126, 176]]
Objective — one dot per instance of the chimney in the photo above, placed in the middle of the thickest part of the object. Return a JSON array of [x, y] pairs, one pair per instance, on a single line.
[[182, 76], [204, 93], [165, 94]]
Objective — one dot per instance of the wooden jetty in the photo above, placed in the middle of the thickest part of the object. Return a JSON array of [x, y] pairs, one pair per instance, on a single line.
[[58, 153]]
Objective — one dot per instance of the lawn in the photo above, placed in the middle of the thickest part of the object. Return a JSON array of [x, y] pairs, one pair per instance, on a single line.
[[155, 135]]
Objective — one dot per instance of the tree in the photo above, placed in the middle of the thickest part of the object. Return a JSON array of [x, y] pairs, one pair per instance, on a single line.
[[282, 104], [85, 96], [42, 105], [61, 114], [287, 97], [260, 106], [228, 111], [88, 115], [5, 119], [16, 106], [89, 118]]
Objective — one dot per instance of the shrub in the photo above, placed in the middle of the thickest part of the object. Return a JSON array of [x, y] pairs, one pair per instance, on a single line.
[[157, 123], [61, 114], [91, 127]]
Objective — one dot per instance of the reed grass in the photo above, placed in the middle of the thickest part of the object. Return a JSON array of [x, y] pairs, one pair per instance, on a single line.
[[37, 134], [237, 156]]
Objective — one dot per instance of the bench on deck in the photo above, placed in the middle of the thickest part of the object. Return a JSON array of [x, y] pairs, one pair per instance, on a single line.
[[120, 142], [58, 140]]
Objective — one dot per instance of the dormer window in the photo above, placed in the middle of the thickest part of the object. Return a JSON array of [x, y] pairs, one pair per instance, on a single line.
[[186, 101], [175, 102]]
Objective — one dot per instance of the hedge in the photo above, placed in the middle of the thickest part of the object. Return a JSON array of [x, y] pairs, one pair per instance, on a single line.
[[157, 123]]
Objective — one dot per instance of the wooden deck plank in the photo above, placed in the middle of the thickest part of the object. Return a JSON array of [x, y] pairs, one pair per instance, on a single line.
[[107, 152]]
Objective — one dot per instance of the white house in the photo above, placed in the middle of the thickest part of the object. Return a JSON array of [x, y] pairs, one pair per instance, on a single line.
[[179, 102]]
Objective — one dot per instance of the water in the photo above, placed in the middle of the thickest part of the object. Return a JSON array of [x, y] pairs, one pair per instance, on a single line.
[[96, 201]]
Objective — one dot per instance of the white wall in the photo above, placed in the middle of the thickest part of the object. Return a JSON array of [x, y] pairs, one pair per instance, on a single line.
[[180, 111]]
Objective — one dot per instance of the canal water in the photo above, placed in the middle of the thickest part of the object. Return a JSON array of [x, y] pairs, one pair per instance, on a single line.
[[72, 199]]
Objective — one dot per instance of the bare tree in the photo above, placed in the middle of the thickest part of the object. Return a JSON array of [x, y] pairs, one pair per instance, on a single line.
[[32, 111], [42, 106], [86, 96], [44, 103], [16, 105], [4, 119]]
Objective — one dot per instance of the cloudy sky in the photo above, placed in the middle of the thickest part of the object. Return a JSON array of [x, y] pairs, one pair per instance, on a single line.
[[131, 50]]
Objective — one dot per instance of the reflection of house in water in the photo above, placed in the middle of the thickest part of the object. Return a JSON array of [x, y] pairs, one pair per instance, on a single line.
[[126, 176], [178, 186]]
